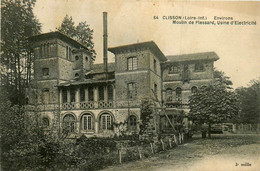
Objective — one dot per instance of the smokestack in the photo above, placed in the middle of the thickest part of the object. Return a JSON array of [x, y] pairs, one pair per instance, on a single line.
[[105, 42]]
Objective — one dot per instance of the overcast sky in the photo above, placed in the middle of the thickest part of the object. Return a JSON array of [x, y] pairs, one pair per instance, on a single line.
[[132, 21]]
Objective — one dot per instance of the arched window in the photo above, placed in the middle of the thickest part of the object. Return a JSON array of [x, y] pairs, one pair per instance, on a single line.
[[87, 122], [45, 122], [199, 67], [69, 123], [105, 121], [169, 95], [194, 90], [132, 123], [77, 75], [178, 94], [76, 58]]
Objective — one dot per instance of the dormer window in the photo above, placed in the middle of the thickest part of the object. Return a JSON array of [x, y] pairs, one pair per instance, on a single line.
[[132, 63], [199, 67]]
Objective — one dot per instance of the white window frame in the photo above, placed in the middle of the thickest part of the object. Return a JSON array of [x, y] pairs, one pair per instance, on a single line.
[[132, 63]]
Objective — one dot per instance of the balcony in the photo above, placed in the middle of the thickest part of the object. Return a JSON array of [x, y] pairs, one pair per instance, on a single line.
[[88, 105], [173, 104], [41, 107]]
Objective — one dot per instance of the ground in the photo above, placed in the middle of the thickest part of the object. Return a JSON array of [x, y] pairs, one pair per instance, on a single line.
[[222, 152]]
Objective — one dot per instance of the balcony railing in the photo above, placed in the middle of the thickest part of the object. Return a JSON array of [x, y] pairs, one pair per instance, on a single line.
[[88, 105], [173, 104], [41, 107]]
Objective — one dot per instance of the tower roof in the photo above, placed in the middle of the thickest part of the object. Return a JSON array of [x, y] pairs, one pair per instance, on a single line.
[[212, 56], [150, 44], [59, 35]]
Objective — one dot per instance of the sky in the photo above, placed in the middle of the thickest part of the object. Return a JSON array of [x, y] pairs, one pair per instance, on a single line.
[[129, 21]]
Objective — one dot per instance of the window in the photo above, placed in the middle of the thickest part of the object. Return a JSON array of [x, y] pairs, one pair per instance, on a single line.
[[44, 49], [194, 90], [87, 122], [199, 67], [100, 93], [110, 93], [155, 90], [41, 51], [105, 122], [86, 58], [69, 123], [90, 94], [132, 123], [72, 95], [154, 65], [169, 95], [77, 75], [131, 90], [76, 58], [64, 96], [45, 96], [82, 94], [45, 122], [45, 71], [132, 63], [174, 69], [178, 94], [48, 49], [67, 52]]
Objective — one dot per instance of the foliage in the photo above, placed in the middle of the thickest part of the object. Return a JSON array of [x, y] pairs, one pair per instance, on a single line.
[[147, 109], [250, 102], [24, 143], [81, 33], [213, 104], [17, 24]]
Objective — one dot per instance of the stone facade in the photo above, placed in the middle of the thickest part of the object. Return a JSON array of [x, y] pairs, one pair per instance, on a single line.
[[74, 94]]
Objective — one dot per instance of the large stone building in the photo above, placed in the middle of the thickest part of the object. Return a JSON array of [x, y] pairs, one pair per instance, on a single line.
[[72, 92]]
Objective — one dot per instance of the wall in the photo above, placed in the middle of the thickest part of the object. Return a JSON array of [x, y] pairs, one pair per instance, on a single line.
[[197, 79], [118, 115], [206, 74], [145, 77]]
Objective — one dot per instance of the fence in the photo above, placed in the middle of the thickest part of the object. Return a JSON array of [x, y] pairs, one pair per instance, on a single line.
[[247, 128], [131, 153]]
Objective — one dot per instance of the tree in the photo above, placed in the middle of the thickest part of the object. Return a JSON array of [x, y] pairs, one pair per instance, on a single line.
[[18, 23], [250, 102], [25, 144], [147, 118], [81, 33], [214, 103]]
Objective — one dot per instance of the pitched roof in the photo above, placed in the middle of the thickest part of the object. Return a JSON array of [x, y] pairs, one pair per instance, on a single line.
[[99, 68], [150, 44], [57, 35], [193, 57], [88, 81]]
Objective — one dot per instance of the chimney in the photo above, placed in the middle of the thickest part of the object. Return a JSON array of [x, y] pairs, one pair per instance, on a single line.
[[105, 42]]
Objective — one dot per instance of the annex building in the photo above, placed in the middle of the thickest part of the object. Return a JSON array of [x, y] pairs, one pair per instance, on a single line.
[[70, 91]]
